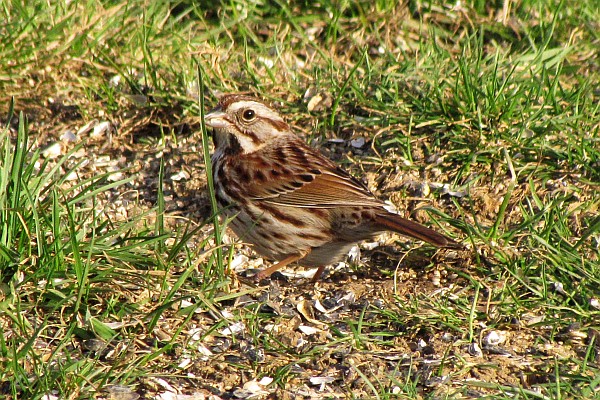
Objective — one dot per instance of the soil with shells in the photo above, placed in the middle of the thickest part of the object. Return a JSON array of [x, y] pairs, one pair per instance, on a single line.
[[374, 322]]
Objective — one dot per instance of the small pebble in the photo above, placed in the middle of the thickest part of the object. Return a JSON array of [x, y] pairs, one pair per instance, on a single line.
[[101, 129], [53, 150], [358, 142], [87, 127], [181, 175], [68, 136], [475, 350], [321, 380], [232, 329], [436, 278], [308, 330], [559, 288], [494, 338], [121, 392]]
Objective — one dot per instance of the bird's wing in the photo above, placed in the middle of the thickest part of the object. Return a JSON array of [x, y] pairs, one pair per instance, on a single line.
[[299, 176]]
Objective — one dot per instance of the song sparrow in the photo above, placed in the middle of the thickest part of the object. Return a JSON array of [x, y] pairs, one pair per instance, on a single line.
[[288, 200]]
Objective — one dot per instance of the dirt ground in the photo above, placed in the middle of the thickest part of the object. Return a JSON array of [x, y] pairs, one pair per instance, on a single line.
[[376, 324]]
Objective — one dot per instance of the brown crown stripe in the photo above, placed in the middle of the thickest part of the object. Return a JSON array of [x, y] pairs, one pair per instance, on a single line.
[[226, 100]]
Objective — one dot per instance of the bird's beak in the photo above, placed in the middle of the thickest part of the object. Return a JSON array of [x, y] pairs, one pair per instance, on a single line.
[[216, 119]]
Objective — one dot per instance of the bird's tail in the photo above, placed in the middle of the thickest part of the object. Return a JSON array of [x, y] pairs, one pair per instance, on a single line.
[[415, 230]]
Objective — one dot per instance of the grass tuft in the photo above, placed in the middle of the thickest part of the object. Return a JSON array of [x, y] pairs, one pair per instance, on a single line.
[[482, 119]]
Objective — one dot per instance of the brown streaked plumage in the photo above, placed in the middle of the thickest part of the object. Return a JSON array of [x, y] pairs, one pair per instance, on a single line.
[[289, 201]]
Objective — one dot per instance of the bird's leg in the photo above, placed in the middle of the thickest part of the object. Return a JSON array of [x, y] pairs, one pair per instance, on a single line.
[[318, 274], [288, 260]]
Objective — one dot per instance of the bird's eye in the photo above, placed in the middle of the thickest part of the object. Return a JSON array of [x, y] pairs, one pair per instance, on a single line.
[[248, 115]]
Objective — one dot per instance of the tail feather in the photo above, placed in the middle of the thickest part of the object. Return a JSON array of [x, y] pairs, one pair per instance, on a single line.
[[415, 230]]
